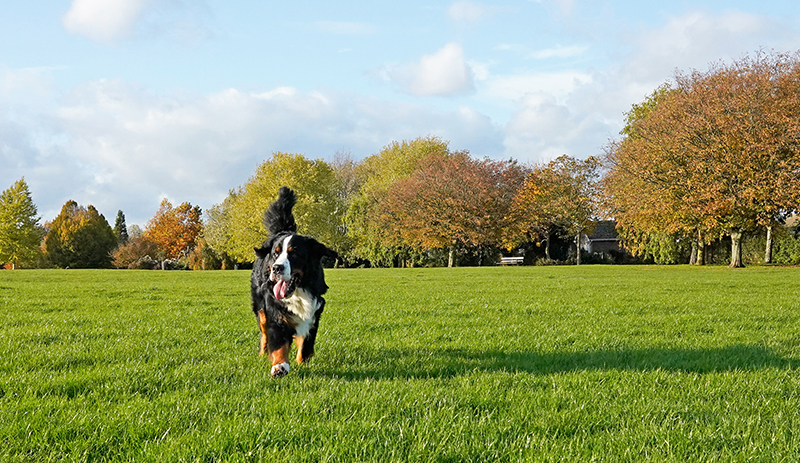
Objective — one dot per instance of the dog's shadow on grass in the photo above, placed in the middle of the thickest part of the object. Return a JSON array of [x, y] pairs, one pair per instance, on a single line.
[[431, 363]]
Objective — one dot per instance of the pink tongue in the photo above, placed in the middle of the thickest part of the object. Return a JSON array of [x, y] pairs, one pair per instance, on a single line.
[[280, 289]]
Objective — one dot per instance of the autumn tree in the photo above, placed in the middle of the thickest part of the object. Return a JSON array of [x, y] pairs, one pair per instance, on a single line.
[[375, 176], [717, 155], [560, 196], [80, 237], [174, 229], [138, 252], [235, 226], [450, 202], [20, 232]]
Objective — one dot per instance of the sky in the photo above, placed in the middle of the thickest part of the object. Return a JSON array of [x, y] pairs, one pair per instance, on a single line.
[[121, 103]]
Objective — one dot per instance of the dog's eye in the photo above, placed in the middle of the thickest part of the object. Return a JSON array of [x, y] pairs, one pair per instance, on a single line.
[[289, 249]]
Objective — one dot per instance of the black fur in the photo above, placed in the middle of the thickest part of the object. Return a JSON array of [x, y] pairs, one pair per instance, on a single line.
[[279, 218], [278, 311]]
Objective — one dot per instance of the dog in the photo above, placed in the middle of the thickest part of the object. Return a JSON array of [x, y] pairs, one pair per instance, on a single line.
[[287, 285]]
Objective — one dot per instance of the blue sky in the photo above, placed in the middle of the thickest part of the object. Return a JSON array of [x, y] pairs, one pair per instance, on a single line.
[[120, 103]]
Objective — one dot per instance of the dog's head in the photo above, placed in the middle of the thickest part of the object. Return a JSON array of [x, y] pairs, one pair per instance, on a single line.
[[293, 260]]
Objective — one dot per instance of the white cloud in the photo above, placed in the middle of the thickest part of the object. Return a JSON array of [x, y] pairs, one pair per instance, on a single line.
[[113, 20], [103, 20], [443, 73], [516, 86], [696, 39], [119, 146], [542, 129]]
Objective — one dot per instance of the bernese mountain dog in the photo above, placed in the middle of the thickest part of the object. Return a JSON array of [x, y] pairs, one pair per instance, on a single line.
[[287, 285]]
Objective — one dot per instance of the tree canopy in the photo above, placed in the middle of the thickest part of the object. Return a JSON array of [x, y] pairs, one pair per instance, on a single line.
[[20, 232], [377, 174], [174, 229], [560, 196], [716, 154], [450, 202], [235, 226], [80, 237]]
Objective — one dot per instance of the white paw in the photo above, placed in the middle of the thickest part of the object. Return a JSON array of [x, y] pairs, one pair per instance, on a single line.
[[279, 370]]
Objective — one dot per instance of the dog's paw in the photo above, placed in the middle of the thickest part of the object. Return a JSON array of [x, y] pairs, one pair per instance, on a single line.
[[281, 369]]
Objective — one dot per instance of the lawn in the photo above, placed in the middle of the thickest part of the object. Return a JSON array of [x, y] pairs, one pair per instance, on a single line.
[[597, 363]]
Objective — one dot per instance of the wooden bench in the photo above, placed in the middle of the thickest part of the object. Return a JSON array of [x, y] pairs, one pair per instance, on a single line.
[[511, 261]]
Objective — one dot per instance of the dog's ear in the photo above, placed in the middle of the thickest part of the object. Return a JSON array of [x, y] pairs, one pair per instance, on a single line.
[[323, 251], [261, 252]]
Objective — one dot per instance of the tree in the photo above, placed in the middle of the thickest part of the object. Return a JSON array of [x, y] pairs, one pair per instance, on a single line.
[[218, 228], [376, 175], [559, 196], [80, 237], [120, 229], [137, 252], [20, 232], [236, 224], [174, 229], [450, 202], [348, 183], [717, 155]]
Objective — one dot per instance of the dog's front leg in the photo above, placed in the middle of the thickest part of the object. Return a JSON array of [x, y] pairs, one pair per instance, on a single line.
[[262, 324], [280, 360]]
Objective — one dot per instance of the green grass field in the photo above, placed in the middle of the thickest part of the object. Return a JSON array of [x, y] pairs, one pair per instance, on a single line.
[[626, 363]]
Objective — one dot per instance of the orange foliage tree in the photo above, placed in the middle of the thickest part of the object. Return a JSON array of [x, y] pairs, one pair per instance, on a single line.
[[718, 154], [559, 196], [450, 202], [174, 229]]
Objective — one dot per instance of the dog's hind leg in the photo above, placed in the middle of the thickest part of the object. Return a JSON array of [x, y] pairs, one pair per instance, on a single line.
[[305, 347]]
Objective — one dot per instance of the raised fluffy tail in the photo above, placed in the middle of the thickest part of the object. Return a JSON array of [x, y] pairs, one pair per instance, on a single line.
[[279, 218]]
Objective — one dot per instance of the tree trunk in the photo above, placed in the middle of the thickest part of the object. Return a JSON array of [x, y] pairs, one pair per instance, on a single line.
[[693, 256], [578, 249], [701, 251], [451, 257], [547, 246], [736, 249], [768, 251]]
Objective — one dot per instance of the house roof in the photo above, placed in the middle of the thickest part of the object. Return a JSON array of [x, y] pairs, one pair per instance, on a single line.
[[604, 230]]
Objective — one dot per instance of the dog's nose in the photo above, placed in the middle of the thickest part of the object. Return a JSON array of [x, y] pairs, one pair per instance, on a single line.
[[277, 268]]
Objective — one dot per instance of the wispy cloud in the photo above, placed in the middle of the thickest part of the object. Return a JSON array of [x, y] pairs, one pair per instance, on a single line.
[[559, 52], [465, 11], [346, 28]]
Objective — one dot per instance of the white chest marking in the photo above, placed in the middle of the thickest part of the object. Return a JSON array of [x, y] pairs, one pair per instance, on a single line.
[[303, 306]]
